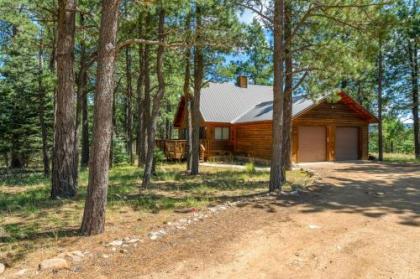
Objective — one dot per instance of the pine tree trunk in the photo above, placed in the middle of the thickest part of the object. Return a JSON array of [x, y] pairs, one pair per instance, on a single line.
[[94, 213], [41, 112], [277, 172], [85, 130], [187, 96], [83, 100], [152, 123], [198, 81], [288, 92], [129, 93], [380, 78], [140, 88], [64, 177], [168, 125], [81, 93], [414, 67], [146, 106]]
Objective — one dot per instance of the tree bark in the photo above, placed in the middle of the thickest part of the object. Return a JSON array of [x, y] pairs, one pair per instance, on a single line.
[[85, 130], [146, 99], [187, 96], [41, 112], [380, 78], [64, 177], [129, 92], [146, 106], [277, 172], [198, 81], [81, 111], [151, 125], [94, 213], [288, 92], [414, 67], [140, 89]]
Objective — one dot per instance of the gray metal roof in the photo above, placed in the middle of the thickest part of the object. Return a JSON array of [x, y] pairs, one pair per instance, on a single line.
[[228, 103]]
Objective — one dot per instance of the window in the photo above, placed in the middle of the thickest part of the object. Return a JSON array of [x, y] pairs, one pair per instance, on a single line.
[[221, 133]]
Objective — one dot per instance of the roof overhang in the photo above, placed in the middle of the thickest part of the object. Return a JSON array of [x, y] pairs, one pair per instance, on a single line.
[[358, 108]]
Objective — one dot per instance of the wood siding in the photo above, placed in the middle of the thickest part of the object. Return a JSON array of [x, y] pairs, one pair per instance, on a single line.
[[254, 140]]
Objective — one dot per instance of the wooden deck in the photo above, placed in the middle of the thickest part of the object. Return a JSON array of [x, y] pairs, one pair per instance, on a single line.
[[177, 149]]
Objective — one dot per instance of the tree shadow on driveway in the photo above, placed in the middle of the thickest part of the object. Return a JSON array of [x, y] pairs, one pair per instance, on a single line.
[[371, 189]]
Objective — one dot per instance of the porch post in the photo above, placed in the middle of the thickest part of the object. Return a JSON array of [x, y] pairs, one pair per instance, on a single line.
[[331, 142]]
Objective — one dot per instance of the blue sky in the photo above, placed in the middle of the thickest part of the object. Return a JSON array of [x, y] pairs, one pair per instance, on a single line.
[[246, 17]]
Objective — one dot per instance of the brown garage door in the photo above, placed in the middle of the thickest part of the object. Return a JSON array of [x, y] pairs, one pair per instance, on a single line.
[[346, 143], [312, 144]]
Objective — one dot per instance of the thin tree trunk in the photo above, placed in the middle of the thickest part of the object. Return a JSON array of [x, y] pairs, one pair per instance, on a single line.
[[187, 97], [81, 95], [83, 100], [277, 172], [64, 177], [114, 129], [168, 125], [85, 130], [414, 67], [380, 77], [151, 125], [41, 113], [288, 92], [94, 213], [114, 123], [198, 81], [129, 93], [140, 88], [146, 106]]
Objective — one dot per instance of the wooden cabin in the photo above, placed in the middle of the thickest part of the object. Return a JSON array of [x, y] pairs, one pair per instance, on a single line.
[[236, 119]]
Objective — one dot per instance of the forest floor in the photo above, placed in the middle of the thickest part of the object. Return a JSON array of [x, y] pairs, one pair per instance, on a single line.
[[33, 227], [361, 220]]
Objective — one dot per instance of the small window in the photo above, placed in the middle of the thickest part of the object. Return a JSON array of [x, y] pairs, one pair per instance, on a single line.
[[221, 133]]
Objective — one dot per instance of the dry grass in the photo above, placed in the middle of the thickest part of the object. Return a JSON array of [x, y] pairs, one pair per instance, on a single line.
[[30, 221], [398, 157]]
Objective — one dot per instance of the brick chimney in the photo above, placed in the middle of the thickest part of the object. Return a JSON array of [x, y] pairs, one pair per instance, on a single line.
[[242, 82]]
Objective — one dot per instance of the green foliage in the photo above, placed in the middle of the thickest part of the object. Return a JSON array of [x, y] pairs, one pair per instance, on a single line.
[[20, 79], [119, 155], [398, 138], [158, 156], [255, 60], [250, 168]]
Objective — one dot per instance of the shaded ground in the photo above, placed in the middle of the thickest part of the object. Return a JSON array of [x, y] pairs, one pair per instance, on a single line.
[[33, 227], [363, 221]]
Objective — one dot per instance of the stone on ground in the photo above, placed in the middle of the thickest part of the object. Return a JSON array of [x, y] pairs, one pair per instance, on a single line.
[[54, 264], [2, 268]]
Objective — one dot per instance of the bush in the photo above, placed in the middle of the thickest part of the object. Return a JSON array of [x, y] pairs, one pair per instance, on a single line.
[[250, 168], [119, 151]]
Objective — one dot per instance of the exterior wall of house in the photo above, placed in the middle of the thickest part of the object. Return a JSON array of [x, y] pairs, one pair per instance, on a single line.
[[254, 140], [331, 116]]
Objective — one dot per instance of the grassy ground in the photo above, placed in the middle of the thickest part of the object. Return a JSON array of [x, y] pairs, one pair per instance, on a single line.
[[30, 220], [398, 157]]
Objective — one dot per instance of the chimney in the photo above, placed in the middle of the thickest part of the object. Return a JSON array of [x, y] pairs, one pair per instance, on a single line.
[[242, 82]]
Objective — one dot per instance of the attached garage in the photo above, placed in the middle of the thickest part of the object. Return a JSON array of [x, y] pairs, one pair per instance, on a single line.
[[312, 143], [331, 128], [347, 143]]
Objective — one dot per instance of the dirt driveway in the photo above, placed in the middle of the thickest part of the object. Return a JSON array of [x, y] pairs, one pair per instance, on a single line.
[[362, 222]]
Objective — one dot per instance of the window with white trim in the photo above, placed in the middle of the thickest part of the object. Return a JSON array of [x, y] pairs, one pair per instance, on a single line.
[[221, 133]]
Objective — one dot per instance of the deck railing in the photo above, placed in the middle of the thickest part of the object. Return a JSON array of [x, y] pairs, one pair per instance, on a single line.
[[177, 149]]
